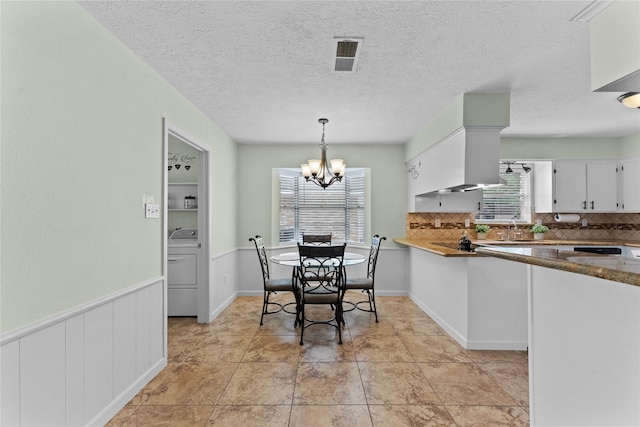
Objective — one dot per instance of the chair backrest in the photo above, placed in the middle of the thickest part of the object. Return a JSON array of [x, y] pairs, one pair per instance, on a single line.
[[262, 256], [321, 266], [317, 239], [373, 255]]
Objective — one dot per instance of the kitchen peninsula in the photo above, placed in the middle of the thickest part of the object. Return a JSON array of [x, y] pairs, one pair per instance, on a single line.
[[582, 316]]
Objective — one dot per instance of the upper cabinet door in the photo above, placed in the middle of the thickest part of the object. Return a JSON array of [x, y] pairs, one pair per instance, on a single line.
[[571, 187], [631, 185], [601, 187]]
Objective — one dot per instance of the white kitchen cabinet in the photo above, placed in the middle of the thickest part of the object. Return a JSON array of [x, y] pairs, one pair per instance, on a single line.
[[630, 182], [585, 186], [467, 201]]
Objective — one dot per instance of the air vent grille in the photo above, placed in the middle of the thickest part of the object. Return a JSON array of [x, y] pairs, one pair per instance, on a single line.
[[347, 51]]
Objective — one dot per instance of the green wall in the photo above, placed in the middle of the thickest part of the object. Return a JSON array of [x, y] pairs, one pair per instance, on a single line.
[[388, 184], [570, 148], [81, 132]]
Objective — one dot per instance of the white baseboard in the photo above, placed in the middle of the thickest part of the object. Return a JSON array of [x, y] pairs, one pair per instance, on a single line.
[[120, 401]]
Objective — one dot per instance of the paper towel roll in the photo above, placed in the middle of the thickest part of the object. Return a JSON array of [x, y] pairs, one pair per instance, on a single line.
[[567, 217]]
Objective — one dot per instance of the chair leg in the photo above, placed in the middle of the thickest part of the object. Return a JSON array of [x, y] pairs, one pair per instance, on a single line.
[[301, 323], [265, 304], [372, 303]]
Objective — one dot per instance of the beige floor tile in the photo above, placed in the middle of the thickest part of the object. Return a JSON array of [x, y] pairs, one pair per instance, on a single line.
[[365, 325], [179, 346], [235, 325], [464, 384], [324, 347], [166, 416], [250, 416], [402, 307], [382, 348], [410, 415], [330, 416], [481, 416], [396, 384], [328, 383], [273, 348], [279, 324], [143, 395], [485, 356], [513, 378], [234, 372], [220, 348], [415, 326], [192, 384], [434, 348], [261, 384]]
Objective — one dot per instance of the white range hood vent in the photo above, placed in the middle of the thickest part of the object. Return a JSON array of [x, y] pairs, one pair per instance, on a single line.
[[466, 160]]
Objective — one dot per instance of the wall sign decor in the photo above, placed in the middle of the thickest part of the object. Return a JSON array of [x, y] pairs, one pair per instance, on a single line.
[[177, 160]]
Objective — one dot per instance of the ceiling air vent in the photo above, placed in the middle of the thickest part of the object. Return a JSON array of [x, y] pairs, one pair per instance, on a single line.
[[347, 52]]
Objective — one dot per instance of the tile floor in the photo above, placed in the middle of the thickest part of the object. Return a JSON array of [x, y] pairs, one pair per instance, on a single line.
[[403, 371]]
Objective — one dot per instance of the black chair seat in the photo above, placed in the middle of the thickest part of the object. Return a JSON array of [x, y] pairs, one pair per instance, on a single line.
[[283, 285], [359, 283]]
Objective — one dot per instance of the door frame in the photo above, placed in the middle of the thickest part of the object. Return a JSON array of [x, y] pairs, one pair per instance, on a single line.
[[204, 228]]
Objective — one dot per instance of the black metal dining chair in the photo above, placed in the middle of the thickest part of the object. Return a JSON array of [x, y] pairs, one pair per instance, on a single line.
[[273, 286], [316, 239], [367, 283], [320, 281]]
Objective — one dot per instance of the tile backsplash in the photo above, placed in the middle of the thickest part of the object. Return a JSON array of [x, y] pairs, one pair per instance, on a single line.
[[602, 226]]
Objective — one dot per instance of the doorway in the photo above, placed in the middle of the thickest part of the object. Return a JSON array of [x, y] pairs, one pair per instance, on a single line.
[[186, 228]]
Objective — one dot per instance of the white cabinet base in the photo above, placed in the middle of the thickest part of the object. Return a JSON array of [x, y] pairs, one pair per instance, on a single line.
[[182, 302]]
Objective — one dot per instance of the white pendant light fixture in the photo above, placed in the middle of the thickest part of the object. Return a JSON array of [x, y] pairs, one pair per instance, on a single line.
[[317, 171], [630, 99]]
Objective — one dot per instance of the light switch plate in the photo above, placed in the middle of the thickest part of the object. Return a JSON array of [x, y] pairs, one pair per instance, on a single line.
[[467, 223], [438, 223], [151, 210]]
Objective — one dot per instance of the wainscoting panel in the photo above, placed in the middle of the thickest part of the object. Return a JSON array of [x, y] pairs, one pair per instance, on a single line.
[[83, 366], [10, 384], [98, 359], [42, 377], [124, 343], [75, 371]]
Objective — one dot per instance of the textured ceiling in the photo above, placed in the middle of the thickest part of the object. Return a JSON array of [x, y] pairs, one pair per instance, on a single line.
[[262, 71]]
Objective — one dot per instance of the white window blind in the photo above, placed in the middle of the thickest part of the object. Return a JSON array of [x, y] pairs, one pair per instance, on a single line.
[[511, 201], [307, 208]]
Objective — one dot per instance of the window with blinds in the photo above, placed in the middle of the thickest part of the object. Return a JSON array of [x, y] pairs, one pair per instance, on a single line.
[[510, 201], [308, 208]]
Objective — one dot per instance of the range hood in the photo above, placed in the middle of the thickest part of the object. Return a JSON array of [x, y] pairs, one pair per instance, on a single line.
[[467, 159]]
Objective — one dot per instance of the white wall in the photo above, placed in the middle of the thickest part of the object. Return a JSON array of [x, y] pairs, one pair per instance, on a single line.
[[81, 146], [570, 148], [83, 306]]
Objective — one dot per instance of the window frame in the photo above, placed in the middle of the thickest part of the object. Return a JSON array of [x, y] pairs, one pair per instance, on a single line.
[[526, 206], [366, 216]]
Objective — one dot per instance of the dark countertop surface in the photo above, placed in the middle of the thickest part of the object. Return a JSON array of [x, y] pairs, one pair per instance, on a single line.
[[541, 253]]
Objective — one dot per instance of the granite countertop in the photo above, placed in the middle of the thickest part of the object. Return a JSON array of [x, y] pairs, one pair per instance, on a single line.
[[617, 269]]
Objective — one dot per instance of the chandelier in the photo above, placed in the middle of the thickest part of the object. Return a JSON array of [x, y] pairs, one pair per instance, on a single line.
[[317, 171]]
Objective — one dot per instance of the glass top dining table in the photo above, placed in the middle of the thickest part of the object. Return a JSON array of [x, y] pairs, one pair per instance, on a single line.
[[293, 259]]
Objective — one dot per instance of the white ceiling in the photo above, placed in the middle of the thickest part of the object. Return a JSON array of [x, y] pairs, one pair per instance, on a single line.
[[262, 71]]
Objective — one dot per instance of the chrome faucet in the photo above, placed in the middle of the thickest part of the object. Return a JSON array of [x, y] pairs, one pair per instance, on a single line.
[[516, 232], [515, 229]]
